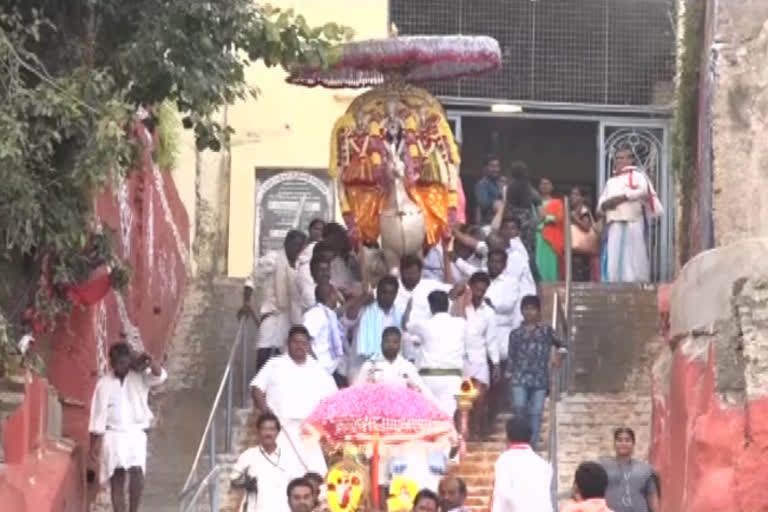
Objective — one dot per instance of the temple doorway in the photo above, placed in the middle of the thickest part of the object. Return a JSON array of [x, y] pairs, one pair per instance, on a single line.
[[571, 150]]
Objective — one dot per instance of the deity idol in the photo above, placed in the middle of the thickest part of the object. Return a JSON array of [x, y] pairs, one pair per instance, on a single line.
[[398, 171]]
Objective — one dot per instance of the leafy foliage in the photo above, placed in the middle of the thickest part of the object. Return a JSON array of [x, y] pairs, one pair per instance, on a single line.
[[72, 72], [167, 150]]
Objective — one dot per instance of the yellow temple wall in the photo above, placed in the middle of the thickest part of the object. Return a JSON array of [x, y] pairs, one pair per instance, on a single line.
[[287, 126]]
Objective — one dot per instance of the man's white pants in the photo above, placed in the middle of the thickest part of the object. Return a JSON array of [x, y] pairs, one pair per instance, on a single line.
[[308, 453], [445, 388]]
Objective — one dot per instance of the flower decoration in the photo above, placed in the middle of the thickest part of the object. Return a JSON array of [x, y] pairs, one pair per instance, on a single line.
[[378, 411], [402, 492], [345, 486], [415, 58]]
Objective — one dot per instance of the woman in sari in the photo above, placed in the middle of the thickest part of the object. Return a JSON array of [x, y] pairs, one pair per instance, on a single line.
[[550, 234]]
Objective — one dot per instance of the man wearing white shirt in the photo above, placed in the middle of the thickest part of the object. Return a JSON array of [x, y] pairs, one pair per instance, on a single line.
[[482, 346], [522, 479], [265, 470], [325, 330], [280, 305], [510, 230], [120, 417], [504, 296], [291, 386], [313, 268], [412, 293], [628, 202], [443, 348], [518, 262], [391, 367]]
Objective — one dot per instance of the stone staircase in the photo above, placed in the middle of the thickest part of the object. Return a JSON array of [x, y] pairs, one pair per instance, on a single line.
[[477, 466], [614, 343], [615, 340]]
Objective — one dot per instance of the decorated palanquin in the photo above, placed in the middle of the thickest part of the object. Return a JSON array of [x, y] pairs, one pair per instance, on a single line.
[[347, 486], [393, 153], [392, 140]]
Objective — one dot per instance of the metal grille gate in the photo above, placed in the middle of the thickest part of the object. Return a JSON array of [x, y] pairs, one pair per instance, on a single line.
[[599, 52]]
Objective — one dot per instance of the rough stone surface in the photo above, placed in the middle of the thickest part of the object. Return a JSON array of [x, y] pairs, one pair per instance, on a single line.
[[611, 327], [710, 431], [739, 120]]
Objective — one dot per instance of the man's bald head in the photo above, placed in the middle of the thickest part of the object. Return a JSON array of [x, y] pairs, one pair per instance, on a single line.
[[453, 492]]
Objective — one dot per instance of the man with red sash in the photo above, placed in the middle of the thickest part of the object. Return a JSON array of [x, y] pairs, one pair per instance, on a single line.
[[522, 479]]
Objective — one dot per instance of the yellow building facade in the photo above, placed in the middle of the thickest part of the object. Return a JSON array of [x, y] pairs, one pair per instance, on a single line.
[[287, 127]]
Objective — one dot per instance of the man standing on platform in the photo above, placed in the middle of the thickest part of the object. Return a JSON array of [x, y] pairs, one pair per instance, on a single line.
[[291, 386]]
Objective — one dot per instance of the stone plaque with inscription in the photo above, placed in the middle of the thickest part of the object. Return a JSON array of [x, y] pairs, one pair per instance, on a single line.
[[289, 199]]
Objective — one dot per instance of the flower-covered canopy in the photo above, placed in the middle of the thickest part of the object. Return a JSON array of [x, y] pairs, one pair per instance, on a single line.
[[414, 58], [385, 413]]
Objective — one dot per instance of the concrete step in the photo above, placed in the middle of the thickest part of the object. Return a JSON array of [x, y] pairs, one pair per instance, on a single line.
[[14, 384], [10, 401]]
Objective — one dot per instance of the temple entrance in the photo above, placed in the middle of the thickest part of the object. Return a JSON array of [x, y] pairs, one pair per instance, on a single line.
[[572, 150]]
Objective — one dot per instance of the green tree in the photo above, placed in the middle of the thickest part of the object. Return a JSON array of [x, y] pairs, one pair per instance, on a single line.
[[73, 72]]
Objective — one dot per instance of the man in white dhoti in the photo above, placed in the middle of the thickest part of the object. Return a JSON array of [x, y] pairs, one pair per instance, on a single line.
[[443, 348], [627, 201], [120, 417], [280, 305], [522, 479], [264, 471], [482, 347], [291, 386]]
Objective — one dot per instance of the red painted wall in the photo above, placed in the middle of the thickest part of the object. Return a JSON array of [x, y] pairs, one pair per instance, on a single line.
[[40, 474], [152, 231], [152, 226], [711, 455]]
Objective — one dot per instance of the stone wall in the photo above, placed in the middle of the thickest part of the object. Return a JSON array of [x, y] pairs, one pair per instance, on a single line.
[[740, 120], [710, 414]]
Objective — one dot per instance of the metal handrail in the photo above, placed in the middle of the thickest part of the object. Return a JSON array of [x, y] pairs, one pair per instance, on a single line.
[[561, 315], [192, 490]]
